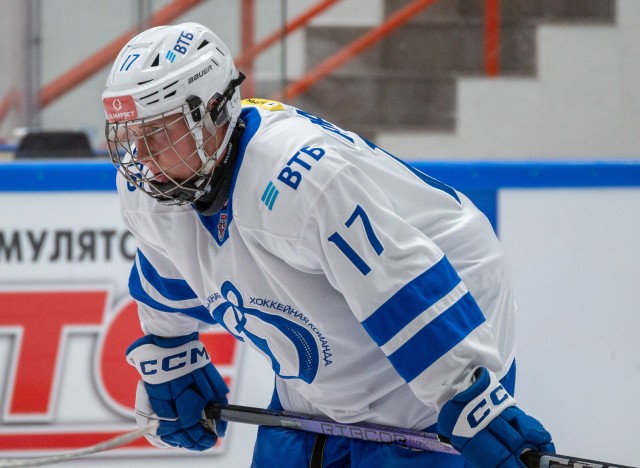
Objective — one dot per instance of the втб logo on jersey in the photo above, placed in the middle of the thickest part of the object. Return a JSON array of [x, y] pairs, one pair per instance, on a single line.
[[253, 324], [304, 158], [270, 194]]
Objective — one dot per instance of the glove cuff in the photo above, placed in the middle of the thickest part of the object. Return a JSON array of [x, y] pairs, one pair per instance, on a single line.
[[159, 360], [479, 404]]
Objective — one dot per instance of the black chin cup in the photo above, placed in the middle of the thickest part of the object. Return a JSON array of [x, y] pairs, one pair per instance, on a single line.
[[170, 193]]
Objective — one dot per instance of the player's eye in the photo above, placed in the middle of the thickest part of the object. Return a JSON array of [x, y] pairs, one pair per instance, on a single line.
[[153, 130]]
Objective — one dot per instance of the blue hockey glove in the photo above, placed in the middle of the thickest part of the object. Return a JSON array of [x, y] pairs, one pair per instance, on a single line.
[[178, 381], [483, 423]]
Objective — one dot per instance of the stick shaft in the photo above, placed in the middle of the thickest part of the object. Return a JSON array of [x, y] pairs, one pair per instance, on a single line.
[[319, 425], [377, 433]]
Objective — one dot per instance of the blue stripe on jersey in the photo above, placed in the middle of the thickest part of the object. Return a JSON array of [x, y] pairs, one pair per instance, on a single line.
[[437, 338], [435, 183], [251, 118], [410, 301], [172, 289]]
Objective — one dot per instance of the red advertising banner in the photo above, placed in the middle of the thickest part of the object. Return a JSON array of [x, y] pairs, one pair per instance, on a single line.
[[66, 319], [40, 323]]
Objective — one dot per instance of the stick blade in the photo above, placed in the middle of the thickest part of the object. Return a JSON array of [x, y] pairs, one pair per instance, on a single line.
[[533, 459]]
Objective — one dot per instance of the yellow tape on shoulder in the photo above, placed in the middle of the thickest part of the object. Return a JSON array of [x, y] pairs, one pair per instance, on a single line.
[[265, 104]]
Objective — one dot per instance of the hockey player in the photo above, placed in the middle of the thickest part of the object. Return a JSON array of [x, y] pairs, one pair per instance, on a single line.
[[377, 293]]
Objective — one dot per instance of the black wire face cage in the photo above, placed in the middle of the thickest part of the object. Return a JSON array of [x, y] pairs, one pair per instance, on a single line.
[[171, 156]]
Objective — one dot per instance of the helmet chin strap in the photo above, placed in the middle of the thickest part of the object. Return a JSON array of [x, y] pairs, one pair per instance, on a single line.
[[213, 108], [209, 162], [219, 187], [199, 122]]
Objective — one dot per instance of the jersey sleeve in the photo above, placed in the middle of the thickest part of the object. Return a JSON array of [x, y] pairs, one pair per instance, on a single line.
[[167, 305], [400, 286]]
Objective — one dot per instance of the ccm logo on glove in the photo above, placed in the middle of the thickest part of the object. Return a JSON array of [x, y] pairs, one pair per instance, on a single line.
[[482, 410], [485, 425], [174, 361], [178, 381], [156, 369]]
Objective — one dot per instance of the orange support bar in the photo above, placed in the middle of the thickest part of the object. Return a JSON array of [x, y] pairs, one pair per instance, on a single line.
[[87, 68], [252, 52], [358, 46], [63, 84], [247, 39], [10, 100], [492, 37]]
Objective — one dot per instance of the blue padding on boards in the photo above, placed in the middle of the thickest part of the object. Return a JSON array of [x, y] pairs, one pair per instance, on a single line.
[[479, 180]]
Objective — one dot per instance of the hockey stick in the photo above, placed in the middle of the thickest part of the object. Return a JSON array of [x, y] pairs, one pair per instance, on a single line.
[[303, 422], [117, 441], [374, 433], [550, 460]]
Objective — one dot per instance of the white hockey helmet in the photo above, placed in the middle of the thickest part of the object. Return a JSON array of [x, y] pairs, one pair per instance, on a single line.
[[183, 70]]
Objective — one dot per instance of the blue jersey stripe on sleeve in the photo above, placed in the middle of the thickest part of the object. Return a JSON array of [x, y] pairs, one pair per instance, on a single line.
[[138, 293], [437, 338], [173, 289], [410, 301]]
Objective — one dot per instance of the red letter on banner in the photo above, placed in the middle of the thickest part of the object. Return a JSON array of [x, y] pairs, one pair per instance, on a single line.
[[42, 317]]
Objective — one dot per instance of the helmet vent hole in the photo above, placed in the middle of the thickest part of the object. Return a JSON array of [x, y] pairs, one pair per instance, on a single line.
[[144, 82], [204, 43], [156, 61], [153, 102], [172, 93], [221, 53], [169, 85], [149, 95]]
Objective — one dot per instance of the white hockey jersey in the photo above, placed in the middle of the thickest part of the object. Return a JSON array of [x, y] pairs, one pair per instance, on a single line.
[[371, 288]]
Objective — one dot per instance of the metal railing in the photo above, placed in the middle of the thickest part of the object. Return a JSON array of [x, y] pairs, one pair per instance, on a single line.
[[356, 47], [60, 86]]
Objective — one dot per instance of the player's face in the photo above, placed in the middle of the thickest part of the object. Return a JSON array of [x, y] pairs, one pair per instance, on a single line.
[[168, 149]]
